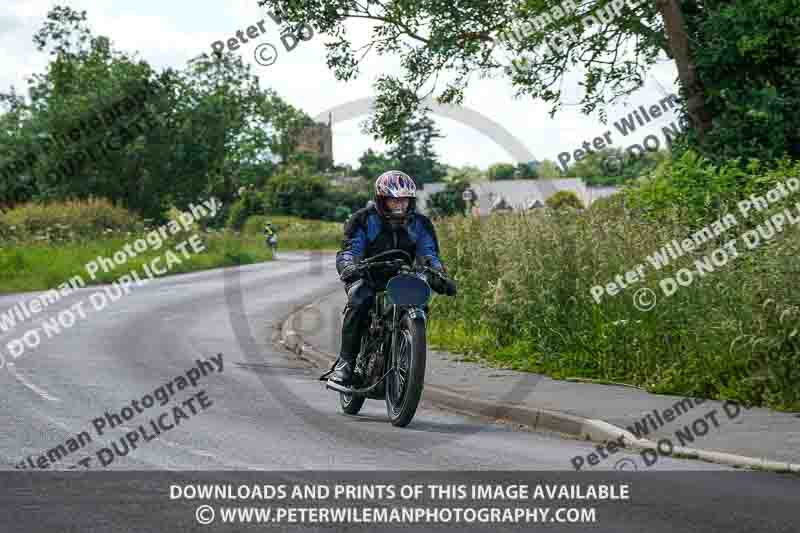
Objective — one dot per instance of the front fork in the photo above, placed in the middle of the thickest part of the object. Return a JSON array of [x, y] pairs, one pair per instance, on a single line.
[[417, 312], [413, 312]]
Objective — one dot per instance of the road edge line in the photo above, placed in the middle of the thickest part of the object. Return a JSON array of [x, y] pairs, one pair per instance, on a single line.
[[593, 430]]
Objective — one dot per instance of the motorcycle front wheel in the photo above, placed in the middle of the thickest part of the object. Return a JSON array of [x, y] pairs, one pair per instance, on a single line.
[[404, 385]]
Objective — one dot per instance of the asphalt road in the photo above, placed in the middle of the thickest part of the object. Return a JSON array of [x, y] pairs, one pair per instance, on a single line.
[[265, 411]]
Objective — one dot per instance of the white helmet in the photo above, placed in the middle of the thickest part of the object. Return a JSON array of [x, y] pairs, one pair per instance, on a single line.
[[395, 184]]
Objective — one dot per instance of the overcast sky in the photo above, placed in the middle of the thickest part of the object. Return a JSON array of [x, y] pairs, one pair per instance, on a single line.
[[170, 32]]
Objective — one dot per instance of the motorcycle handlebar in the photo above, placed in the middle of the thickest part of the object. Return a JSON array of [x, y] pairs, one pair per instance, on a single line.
[[448, 285], [395, 262]]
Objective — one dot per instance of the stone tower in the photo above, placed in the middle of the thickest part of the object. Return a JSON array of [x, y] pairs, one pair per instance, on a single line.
[[318, 139]]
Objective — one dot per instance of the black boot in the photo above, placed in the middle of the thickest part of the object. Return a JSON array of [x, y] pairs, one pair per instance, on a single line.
[[343, 373]]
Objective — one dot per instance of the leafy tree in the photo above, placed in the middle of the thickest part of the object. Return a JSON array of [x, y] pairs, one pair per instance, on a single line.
[[68, 126], [502, 171], [468, 173], [203, 131], [414, 151], [737, 86], [461, 39], [249, 204], [612, 166], [372, 164], [284, 125], [753, 89], [593, 164]]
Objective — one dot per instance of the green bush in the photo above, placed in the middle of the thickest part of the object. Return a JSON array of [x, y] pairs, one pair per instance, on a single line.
[[501, 171], [448, 202], [66, 220], [698, 191], [342, 213], [564, 199], [295, 190]]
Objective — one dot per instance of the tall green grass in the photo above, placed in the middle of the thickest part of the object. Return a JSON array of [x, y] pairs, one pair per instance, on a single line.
[[524, 301]]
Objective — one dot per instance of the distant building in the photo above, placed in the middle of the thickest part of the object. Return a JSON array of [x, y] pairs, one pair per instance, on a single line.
[[534, 204], [499, 204], [318, 139], [520, 194]]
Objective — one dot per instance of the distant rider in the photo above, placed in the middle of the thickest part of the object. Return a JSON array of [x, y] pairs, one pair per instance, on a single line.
[[389, 222], [269, 232]]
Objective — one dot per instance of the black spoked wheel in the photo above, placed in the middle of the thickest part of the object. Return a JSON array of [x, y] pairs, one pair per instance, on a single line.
[[350, 403], [404, 385]]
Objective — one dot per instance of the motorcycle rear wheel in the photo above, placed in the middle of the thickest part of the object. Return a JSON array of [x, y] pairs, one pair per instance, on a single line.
[[404, 386], [350, 403]]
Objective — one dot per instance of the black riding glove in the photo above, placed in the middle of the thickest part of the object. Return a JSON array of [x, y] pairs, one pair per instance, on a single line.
[[349, 273], [442, 283]]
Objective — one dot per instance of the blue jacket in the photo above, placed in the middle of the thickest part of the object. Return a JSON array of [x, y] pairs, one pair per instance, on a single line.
[[366, 235]]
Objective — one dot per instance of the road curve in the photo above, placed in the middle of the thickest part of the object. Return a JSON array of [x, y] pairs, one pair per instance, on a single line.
[[265, 411]]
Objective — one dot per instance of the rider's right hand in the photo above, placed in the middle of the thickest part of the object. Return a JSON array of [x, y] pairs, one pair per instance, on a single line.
[[450, 288], [442, 283]]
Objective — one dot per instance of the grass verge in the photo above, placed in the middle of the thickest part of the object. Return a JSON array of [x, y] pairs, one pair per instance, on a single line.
[[39, 266], [525, 302]]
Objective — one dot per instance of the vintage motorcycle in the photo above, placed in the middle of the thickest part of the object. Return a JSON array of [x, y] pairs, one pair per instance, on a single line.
[[391, 362]]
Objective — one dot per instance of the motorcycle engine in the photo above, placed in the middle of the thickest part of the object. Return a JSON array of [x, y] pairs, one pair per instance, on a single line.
[[375, 366], [370, 363]]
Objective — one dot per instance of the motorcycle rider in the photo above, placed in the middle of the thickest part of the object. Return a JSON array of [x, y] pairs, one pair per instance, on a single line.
[[389, 222], [269, 231]]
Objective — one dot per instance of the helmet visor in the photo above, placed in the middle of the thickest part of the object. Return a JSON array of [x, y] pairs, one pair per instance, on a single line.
[[396, 207]]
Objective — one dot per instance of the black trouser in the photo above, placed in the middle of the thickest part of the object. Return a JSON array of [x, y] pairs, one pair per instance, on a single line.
[[360, 298]]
